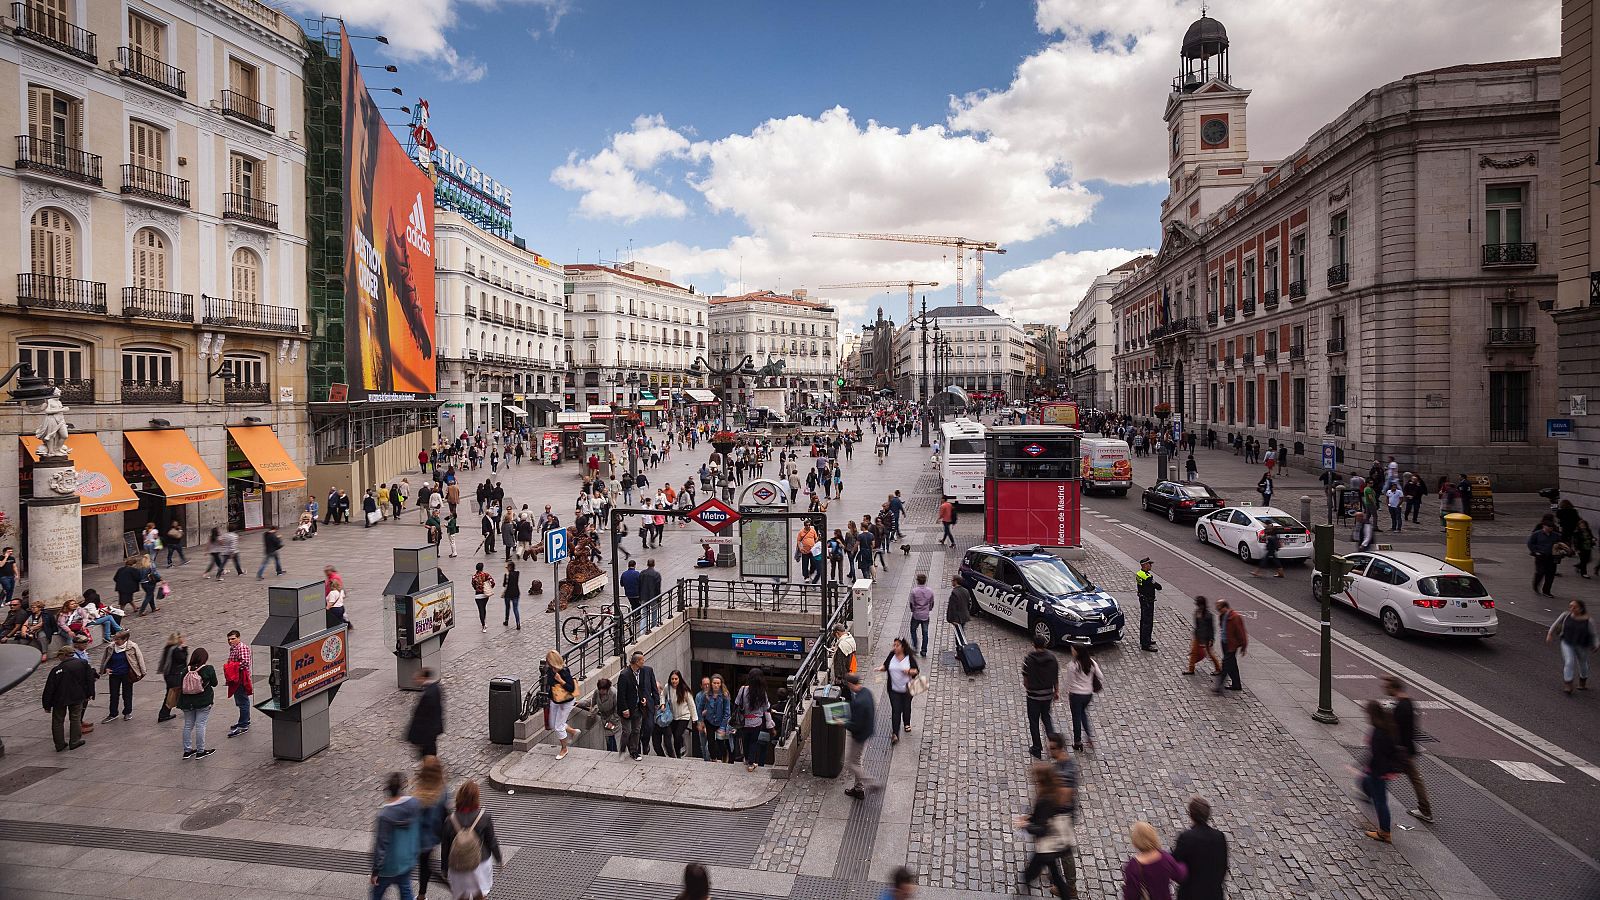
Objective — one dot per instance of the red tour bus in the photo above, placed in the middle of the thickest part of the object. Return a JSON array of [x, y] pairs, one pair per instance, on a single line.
[[1031, 488]]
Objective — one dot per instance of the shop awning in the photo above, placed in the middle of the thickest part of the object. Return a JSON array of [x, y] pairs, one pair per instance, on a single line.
[[517, 411], [542, 405], [101, 487], [175, 464], [700, 396], [267, 456], [599, 410]]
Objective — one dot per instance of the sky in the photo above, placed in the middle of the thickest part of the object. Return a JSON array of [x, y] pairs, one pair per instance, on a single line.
[[715, 137]]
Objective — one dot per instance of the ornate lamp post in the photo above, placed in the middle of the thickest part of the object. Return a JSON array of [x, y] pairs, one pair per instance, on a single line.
[[744, 368], [55, 551], [921, 324]]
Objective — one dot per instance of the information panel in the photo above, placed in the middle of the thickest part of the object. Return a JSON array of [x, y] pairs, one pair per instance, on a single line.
[[312, 665]]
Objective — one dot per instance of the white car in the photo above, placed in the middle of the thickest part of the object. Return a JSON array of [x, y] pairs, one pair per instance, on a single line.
[[1243, 530], [1415, 592]]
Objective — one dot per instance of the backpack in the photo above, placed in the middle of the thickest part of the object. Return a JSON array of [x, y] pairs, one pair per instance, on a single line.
[[192, 683], [466, 851]]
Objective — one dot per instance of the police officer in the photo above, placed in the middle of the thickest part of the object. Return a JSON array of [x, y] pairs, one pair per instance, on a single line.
[[1147, 604]]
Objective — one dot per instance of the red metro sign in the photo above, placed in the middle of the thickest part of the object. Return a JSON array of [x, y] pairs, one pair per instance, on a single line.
[[713, 515], [1033, 449]]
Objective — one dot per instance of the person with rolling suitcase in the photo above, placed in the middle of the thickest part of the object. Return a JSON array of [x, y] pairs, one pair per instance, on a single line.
[[970, 657]]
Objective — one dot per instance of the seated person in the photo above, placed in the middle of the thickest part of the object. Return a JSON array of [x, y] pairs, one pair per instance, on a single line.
[[708, 557]]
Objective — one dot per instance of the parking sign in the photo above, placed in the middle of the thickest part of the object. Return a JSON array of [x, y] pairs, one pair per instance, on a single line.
[[555, 545]]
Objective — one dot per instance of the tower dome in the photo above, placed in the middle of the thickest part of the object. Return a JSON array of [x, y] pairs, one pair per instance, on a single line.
[[1204, 55], [1205, 38]]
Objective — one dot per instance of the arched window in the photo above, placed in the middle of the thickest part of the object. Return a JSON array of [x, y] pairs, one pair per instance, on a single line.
[[244, 369], [148, 365], [246, 276], [55, 244], [59, 361], [149, 260]]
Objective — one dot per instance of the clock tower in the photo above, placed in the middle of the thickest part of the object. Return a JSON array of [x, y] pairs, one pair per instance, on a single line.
[[1208, 154]]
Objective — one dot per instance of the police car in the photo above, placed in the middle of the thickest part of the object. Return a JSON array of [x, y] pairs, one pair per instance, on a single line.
[[1028, 587]]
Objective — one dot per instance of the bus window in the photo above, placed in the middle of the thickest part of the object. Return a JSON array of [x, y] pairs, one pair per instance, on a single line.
[[965, 446]]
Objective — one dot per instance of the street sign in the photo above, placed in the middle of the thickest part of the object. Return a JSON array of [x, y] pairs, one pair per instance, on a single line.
[[555, 545], [1578, 405], [713, 515], [1330, 456], [1558, 428]]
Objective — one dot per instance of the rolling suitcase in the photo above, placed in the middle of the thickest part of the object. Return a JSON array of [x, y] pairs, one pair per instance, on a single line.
[[971, 657]]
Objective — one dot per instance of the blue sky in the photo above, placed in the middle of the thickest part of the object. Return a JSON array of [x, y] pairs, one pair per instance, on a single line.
[[716, 136]]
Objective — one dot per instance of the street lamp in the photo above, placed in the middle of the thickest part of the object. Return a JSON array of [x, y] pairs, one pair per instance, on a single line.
[[922, 320], [744, 368]]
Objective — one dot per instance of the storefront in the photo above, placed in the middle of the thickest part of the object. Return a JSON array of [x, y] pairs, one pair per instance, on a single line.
[[164, 470], [101, 488], [258, 465]]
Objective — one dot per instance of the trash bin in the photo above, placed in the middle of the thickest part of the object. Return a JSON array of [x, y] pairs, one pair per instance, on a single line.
[[505, 706], [827, 739]]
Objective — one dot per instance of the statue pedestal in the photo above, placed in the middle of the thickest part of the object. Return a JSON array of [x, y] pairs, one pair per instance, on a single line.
[[55, 544]]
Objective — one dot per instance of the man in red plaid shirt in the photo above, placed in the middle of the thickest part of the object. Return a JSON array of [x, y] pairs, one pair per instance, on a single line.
[[236, 672]]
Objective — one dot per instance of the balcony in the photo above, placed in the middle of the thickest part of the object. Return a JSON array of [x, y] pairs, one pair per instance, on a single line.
[[1335, 345], [152, 391], [55, 292], [246, 208], [591, 335], [1249, 306], [247, 109], [1211, 364], [153, 185], [1497, 255], [1271, 356], [59, 160], [75, 391], [164, 306], [146, 69], [1229, 312], [1227, 363], [39, 26], [1297, 353], [1211, 318], [1511, 337], [1269, 299], [472, 311], [1339, 274], [1249, 357], [243, 314], [1510, 433], [235, 392]]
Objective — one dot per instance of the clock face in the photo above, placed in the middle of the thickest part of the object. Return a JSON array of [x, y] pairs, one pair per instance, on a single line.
[[1177, 143], [1214, 131]]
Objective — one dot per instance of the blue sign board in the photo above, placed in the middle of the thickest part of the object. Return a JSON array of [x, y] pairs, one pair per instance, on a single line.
[[555, 545], [763, 645], [1330, 456], [1558, 428]]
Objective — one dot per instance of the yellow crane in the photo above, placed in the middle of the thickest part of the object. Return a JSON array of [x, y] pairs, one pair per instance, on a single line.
[[961, 245], [910, 286]]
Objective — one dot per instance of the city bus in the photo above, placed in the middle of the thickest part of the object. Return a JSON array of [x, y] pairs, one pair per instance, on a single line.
[[961, 460]]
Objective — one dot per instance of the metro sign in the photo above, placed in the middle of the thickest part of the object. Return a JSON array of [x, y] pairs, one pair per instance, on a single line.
[[1033, 449], [713, 515], [764, 494]]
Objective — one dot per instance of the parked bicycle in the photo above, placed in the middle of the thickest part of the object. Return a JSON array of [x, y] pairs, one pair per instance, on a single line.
[[579, 627]]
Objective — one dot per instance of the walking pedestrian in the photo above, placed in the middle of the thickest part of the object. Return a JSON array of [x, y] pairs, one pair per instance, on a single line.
[[433, 807], [126, 580], [1041, 680], [1542, 547], [511, 593], [1147, 586], [680, 705], [714, 712], [196, 695], [863, 721], [174, 544], [650, 594], [1204, 635], [271, 545], [1404, 714], [236, 673], [752, 712], [482, 584], [1049, 823], [427, 717], [947, 517], [1383, 761], [1579, 640], [122, 660], [901, 667], [1191, 470], [1273, 538], [173, 663], [396, 840], [602, 705], [1231, 631], [1151, 870], [1583, 544], [469, 847], [1204, 851], [921, 601], [958, 609], [67, 690], [638, 695], [1395, 499], [562, 689], [1084, 680]]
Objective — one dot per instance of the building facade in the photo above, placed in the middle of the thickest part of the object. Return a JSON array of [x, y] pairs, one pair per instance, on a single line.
[[501, 313], [793, 329], [1091, 340], [630, 319], [1577, 313], [159, 179], [986, 355], [1383, 288]]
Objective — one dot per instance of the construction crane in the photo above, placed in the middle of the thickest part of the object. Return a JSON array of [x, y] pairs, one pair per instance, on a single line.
[[961, 245], [910, 286]]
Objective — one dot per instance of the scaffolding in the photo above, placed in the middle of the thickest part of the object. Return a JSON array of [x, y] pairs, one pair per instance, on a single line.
[[324, 208]]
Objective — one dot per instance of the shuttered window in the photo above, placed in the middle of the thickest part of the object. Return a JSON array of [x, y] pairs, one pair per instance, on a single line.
[[146, 37], [50, 18], [242, 78], [147, 146], [54, 117], [54, 243], [246, 177], [149, 260], [246, 276]]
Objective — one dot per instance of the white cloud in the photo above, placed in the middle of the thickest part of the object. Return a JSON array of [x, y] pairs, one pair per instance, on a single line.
[[416, 28], [611, 190], [1048, 290], [1093, 97]]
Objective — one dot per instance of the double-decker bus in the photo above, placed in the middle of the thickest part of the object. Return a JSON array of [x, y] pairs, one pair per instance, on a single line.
[[961, 461]]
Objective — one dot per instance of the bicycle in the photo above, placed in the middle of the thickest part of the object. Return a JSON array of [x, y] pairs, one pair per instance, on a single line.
[[577, 629]]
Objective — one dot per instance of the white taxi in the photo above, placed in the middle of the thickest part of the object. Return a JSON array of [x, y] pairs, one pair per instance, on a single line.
[[1416, 592], [1243, 530]]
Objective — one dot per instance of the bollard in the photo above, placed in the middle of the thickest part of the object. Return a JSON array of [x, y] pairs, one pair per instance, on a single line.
[[1458, 541], [1305, 509]]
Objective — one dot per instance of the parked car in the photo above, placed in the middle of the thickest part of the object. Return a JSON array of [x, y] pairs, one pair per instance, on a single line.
[[1243, 530], [1027, 586], [1180, 499], [1416, 592]]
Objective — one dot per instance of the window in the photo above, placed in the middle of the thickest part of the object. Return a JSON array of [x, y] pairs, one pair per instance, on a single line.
[[244, 368], [1299, 404], [1297, 258], [1215, 402], [147, 146], [1336, 402], [1272, 405], [246, 177], [246, 276], [149, 260], [54, 117], [1298, 337], [1229, 288], [1269, 270], [1211, 294], [1232, 402], [147, 38], [1339, 239], [147, 365], [244, 79], [1250, 345], [56, 360], [1272, 341], [1502, 215], [54, 243], [1250, 403], [1508, 406], [1508, 315]]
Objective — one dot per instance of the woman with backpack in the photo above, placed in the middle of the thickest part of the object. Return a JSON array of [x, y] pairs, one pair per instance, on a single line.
[[562, 689], [434, 802], [468, 846], [482, 584], [196, 694], [752, 714]]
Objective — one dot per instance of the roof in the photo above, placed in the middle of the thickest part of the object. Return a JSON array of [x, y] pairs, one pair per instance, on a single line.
[[768, 297], [1134, 263], [1420, 563], [958, 312], [1507, 65], [1204, 38], [591, 267]]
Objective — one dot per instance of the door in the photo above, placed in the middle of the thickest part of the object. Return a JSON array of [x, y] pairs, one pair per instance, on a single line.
[[1363, 594], [1385, 585]]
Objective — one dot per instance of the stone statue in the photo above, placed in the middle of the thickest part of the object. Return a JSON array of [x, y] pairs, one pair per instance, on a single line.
[[53, 433]]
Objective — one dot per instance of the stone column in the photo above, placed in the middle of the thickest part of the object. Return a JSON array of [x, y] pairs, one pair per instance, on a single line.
[[55, 549]]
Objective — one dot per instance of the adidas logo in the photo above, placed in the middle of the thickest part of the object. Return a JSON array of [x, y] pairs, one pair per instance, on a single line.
[[417, 228]]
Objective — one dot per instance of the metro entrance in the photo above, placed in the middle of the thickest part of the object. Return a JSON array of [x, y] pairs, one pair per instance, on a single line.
[[1031, 487]]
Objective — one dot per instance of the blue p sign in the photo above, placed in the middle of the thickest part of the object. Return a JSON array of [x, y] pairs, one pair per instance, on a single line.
[[555, 545]]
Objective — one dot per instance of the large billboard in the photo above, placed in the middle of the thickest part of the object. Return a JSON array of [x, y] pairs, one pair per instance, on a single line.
[[388, 264]]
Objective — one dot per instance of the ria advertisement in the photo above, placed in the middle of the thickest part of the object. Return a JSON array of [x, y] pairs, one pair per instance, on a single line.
[[311, 666], [388, 262]]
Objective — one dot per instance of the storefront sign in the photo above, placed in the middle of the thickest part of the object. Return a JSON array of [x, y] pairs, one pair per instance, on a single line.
[[252, 509], [766, 645], [427, 614], [313, 665]]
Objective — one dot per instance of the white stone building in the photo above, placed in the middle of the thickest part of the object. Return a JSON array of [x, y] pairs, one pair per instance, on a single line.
[[1090, 338], [630, 319], [987, 354], [501, 319], [793, 329]]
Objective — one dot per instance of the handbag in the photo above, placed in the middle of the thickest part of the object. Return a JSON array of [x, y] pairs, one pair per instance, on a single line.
[[372, 517], [918, 686], [663, 717]]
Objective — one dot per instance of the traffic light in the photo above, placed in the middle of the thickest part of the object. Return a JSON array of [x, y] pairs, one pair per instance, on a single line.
[[1340, 575]]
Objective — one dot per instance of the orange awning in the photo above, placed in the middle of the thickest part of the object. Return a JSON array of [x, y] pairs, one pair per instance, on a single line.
[[175, 464], [267, 457], [101, 487]]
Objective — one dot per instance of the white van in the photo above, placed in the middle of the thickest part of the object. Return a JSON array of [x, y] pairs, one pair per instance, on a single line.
[[1107, 465]]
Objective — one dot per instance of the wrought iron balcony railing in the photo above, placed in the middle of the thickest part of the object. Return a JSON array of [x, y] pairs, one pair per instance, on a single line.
[[1249, 306], [1501, 337], [39, 25], [1229, 312], [1269, 299], [246, 208], [1511, 254], [1297, 289], [58, 159], [145, 68], [1271, 356], [147, 392], [1297, 353], [1211, 317], [149, 183], [244, 314], [1339, 274], [54, 292], [1336, 344], [75, 391], [247, 109], [235, 392], [1511, 433], [166, 306]]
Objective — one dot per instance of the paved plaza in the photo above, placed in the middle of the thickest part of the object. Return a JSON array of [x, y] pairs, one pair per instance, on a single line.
[[123, 817]]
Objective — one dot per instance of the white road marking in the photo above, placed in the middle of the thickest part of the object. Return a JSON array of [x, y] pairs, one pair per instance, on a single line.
[[1591, 771], [1355, 677], [1436, 704], [1527, 771]]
